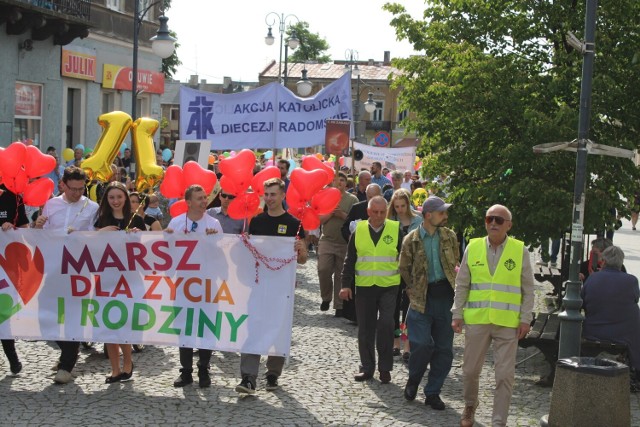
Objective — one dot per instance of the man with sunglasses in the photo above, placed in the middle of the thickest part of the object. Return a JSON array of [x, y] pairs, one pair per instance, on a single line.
[[195, 220], [493, 302], [221, 213], [70, 211]]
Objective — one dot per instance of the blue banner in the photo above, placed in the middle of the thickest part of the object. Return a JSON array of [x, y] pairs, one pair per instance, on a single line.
[[270, 116]]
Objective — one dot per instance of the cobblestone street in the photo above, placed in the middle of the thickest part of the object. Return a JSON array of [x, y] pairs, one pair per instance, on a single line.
[[317, 386]]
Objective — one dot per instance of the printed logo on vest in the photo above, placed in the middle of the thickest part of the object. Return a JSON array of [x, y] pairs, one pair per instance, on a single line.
[[387, 239], [510, 264], [478, 263], [282, 229]]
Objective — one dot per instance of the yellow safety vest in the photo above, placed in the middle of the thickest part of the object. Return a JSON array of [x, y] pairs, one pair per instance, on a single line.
[[377, 264], [494, 299]]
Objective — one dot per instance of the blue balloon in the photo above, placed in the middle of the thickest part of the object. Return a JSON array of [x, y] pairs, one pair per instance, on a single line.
[[122, 148], [268, 154], [166, 154], [292, 165]]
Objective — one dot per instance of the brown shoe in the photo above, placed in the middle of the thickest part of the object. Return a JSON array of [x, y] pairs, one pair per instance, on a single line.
[[468, 416], [385, 377]]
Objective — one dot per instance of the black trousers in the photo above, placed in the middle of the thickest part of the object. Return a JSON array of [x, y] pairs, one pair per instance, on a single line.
[[186, 357], [375, 306], [68, 354], [9, 347]]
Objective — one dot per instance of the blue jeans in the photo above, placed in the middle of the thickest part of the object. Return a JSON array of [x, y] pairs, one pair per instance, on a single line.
[[431, 343]]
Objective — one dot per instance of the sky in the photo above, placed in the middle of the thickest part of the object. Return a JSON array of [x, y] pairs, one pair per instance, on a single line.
[[226, 38]]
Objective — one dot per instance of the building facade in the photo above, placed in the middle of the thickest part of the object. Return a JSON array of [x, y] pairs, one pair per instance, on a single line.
[[54, 88]]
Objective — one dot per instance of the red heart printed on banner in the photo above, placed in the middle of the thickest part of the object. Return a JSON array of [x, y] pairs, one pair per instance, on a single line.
[[193, 173], [25, 272], [38, 164], [308, 182], [172, 186]]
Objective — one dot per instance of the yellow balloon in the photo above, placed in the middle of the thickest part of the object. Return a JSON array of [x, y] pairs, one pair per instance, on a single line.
[[418, 197], [148, 172], [116, 124], [67, 154]]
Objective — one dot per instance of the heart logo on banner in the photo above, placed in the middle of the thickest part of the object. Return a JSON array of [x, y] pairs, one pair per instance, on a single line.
[[24, 270]]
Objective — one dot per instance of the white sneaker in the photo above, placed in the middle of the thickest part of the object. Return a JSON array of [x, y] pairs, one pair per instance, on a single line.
[[63, 377]]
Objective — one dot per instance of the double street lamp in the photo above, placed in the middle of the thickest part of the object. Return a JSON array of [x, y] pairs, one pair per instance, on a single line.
[[162, 45], [351, 65], [304, 85]]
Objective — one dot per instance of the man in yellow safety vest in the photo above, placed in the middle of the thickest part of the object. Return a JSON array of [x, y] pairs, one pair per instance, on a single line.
[[372, 258], [493, 302]]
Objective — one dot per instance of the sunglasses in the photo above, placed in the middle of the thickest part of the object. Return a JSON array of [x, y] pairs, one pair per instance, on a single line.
[[497, 219], [227, 196]]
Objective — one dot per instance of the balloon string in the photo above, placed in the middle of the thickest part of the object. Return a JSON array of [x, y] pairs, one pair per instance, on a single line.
[[265, 260]]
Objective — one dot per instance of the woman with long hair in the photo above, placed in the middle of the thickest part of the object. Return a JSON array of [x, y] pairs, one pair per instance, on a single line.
[[400, 210], [114, 214], [152, 224]]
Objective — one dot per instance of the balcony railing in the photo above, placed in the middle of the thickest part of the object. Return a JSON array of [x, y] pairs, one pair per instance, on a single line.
[[77, 8], [378, 125]]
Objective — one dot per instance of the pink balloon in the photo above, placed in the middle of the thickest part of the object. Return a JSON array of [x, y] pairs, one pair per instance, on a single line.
[[257, 183], [193, 173], [38, 192]]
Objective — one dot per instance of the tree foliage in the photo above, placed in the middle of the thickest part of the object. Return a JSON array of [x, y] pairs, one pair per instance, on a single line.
[[170, 65], [497, 77], [312, 46]]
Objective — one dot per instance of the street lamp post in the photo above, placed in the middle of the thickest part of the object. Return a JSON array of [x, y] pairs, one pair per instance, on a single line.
[[162, 44], [293, 42], [370, 106]]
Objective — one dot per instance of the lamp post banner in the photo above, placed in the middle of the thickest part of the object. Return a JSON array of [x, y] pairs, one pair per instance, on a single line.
[[270, 116], [178, 289], [401, 158]]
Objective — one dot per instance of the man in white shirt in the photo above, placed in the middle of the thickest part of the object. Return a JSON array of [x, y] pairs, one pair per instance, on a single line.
[[195, 220], [406, 183], [71, 211]]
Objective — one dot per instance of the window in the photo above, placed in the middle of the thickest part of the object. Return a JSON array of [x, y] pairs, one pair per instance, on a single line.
[[144, 4], [378, 114], [113, 5], [108, 102], [402, 115], [28, 113], [175, 114]]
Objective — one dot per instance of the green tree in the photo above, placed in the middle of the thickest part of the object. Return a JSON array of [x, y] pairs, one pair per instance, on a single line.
[[496, 78], [312, 46]]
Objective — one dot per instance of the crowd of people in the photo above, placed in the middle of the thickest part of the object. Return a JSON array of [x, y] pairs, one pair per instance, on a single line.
[[393, 267]]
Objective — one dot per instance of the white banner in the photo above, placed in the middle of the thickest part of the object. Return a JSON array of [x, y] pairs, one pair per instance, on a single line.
[[270, 116], [400, 159], [148, 288]]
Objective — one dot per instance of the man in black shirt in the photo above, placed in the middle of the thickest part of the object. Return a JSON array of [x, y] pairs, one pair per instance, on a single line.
[[12, 216], [274, 222]]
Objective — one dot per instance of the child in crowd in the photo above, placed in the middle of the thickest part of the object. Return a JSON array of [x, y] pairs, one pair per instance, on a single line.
[[154, 207]]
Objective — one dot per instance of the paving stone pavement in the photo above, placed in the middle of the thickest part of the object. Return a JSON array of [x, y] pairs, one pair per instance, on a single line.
[[317, 387]]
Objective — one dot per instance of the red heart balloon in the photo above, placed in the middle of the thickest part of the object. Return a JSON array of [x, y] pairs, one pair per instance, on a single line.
[[307, 182], [326, 200], [257, 182], [24, 270], [310, 220], [295, 203], [178, 208], [312, 163], [38, 164], [239, 169], [230, 187], [193, 173], [17, 183], [38, 192], [12, 159], [172, 185], [244, 206]]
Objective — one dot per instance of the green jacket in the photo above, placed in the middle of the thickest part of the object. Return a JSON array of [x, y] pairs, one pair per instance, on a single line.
[[413, 264]]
